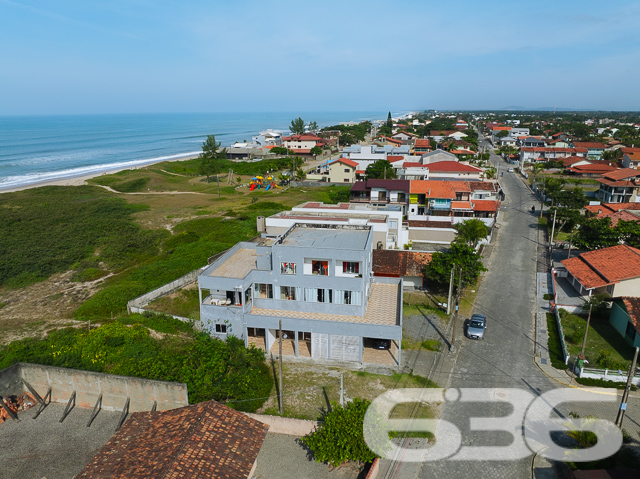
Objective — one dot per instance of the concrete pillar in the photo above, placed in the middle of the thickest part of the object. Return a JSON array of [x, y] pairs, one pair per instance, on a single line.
[[328, 346], [200, 295], [296, 333], [361, 349]]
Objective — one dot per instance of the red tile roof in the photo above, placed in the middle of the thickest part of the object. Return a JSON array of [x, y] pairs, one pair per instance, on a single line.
[[410, 164], [591, 145], [622, 174], [394, 263], [422, 144], [612, 207], [570, 160], [486, 205], [202, 440], [461, 205], [305, 137], [439, 188], [462, 152], [592, 169], [632, 305], [346, 161], [605, 266], [394, 158]]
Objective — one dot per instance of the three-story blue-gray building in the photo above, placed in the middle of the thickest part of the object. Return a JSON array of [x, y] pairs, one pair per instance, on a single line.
[[317, 280]]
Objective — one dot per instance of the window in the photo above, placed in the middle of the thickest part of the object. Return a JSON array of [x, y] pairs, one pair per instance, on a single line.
[[393, 224], [221, 328], [348, 297], [288, 293], [320, 267], [351, 267], [287, 268], [318, 295], [347, 170], [263, 291]]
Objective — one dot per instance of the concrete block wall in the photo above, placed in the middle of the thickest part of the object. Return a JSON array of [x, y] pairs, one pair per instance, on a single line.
[[88, 386], [175, 285]]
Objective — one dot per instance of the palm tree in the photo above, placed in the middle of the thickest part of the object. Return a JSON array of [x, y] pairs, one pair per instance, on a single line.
[[471, 232]]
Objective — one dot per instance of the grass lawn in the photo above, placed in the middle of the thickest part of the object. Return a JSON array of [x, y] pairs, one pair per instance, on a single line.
[[309, 388], [184, 303], [601, 337], [423, 302]]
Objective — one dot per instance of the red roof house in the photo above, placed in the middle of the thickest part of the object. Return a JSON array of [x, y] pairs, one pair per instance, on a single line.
[[614, 270], [201, 440]]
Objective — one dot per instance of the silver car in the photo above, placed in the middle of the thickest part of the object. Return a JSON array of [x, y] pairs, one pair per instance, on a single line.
[[477, 326]]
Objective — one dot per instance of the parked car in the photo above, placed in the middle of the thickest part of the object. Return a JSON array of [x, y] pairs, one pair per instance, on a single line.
[[477, 326], [382, 343], [510, 170]]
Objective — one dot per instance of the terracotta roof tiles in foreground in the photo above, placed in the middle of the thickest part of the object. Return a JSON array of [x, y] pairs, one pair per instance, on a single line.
[[605, 266], [203, 440]]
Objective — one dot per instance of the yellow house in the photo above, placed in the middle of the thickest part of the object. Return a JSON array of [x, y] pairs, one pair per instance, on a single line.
[[342, 170]]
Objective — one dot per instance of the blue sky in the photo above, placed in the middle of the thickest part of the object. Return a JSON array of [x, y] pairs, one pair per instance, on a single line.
[[83, 56]]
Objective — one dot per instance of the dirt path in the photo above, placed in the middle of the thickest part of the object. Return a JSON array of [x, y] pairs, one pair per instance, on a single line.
[[40, 307], [108, 188]]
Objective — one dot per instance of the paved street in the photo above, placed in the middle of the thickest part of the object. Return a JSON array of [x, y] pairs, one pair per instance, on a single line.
[[505, 358]]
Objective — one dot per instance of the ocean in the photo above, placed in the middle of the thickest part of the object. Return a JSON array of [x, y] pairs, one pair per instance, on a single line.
[[35, 149]]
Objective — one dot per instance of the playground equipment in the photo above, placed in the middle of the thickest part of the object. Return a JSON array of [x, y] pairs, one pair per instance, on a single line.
[[261, 182]]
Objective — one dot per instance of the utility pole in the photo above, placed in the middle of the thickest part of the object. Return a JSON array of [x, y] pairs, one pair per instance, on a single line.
[[453, 269], [342, 389], [570, 240], [218, 182], [542, 199], [625, 395], [452, 349], [280, 366], [553, 228], [584, 340]]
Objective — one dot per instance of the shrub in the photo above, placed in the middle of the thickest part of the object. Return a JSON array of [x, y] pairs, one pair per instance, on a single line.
[[212, 369], [547, 296], [132, 186], [601, 383], [341, 439], [555, 347]]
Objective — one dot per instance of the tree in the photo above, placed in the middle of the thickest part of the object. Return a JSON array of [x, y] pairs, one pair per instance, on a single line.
[[389, 120], [596, 233], [281, 150], [300, 174], [629, 232], [315, 151], [347, 139], [439, 268], [502, 134], [313, 126], [210, 153], [471, 232], [297, 126], [341, 438], [490, 172], [380, 169]]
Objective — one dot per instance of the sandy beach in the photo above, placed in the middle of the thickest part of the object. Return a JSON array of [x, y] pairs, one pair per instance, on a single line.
[[82, 180]]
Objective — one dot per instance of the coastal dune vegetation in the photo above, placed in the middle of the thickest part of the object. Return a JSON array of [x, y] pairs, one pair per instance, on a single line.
[[132, 243]]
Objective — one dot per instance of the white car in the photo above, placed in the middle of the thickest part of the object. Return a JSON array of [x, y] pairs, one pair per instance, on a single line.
[[510, 170]]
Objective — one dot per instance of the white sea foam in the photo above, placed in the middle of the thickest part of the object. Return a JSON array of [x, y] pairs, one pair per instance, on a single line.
[[9, 182]]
